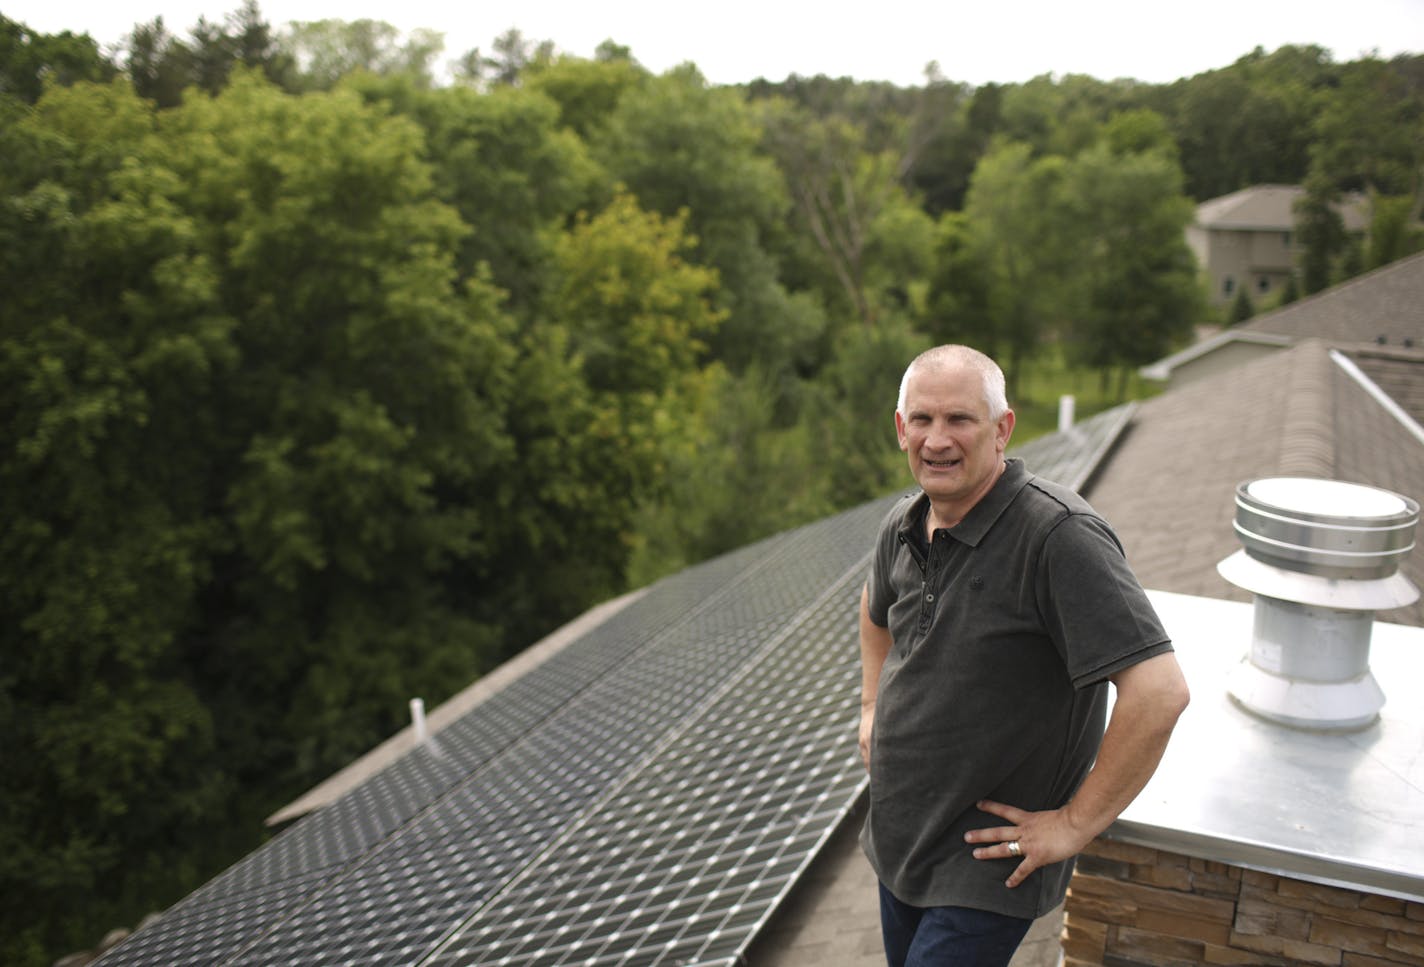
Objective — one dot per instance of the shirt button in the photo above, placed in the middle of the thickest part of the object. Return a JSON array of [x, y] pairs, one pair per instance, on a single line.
[[929, 597]]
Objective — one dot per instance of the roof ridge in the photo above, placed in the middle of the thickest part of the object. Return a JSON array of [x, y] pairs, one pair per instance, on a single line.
[[1308, 436]]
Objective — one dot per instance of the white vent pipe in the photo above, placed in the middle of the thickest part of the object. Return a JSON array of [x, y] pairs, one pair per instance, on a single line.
[[1320, 556], [417, 719]]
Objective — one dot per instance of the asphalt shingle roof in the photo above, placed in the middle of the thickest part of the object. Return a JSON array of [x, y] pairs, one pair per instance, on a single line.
[[1169, 488], [1268, 208], [1384, 305]]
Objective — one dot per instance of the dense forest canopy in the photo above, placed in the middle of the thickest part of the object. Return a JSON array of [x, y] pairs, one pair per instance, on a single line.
[[326, 383]]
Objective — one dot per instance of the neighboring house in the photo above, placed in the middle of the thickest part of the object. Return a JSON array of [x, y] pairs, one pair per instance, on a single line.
[[674, 778], [1383, 308], [1246, 240]]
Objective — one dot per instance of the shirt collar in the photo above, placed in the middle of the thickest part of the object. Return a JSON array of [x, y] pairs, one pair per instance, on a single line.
[[982, 516]]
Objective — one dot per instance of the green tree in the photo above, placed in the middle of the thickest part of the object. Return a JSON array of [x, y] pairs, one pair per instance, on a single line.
[[1394, 231], [1320, 232], [852, 412], [111, 313], [1137, 291], [258, 452], [1249, 123], [679, 144], [160, 65], [30, 61], [1018, 236], [955, 127], [253, 43], [1063, 116], [842, 192], [1137, 131], [958, 299], [325, 51], [1241, 308], [734, 475], [501, 160], [637, 312], [587, 91], [1290, 292], [163, 66], [635, 318], [1369, 134]]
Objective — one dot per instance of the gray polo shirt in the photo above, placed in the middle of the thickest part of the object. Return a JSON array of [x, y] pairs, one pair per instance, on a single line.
[[1005, 629]]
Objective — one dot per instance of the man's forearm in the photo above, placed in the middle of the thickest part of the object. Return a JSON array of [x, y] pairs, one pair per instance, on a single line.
[[874, 647], [1150, 698]]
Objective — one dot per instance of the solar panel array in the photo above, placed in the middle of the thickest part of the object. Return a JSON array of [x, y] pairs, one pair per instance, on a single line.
[[708, 726], [646, 795]]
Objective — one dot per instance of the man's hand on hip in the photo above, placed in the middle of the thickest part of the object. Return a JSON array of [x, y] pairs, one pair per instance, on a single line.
[[1036, 839]]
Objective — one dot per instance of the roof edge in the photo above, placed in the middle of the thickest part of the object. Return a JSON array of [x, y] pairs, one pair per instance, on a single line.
[[337, 785], [1162, 370], [1378, 395]]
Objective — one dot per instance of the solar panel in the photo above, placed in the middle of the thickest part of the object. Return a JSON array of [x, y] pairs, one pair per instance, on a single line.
[[646, 795], [686, 859], [399, 866]]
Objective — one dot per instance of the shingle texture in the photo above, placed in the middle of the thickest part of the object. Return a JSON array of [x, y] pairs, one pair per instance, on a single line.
[[1259, 207], [1268, 208], [1384, 305], [1169, 488], [1398, 372]]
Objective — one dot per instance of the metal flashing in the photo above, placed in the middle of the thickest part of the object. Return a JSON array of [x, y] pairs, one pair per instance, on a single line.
[[1343, 809]]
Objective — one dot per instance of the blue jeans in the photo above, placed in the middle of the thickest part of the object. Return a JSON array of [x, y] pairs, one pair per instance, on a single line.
[[947, 936]]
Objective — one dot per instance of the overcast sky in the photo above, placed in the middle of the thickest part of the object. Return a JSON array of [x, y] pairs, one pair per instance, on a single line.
[[738, 40]]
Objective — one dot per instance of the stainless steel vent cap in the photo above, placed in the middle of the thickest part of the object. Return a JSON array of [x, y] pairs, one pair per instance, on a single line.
[[1326, 528]]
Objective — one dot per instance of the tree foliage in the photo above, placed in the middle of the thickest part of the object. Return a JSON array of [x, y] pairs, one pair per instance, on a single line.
[[1136, 277], [30, 61]]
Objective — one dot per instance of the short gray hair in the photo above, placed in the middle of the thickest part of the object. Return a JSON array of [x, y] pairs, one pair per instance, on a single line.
[[954, 355]]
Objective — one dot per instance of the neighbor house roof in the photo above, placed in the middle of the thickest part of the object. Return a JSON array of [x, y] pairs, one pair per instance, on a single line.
[[1382, 308], [1270, 208], [1385, 306]]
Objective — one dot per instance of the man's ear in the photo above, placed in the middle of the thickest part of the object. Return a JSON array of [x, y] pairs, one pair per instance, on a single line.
[[900, 431], [1005, 429]]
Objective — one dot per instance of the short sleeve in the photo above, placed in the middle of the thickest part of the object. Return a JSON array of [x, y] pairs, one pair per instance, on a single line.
[[1092, 605]]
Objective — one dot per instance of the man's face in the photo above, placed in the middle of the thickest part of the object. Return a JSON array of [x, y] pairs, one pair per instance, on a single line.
[[955, 449]]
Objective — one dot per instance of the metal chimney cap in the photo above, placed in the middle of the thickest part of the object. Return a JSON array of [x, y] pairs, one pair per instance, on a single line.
[[1326, 528], [1327, 500]]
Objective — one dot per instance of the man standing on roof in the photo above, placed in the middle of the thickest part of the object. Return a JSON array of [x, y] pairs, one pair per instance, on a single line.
[[997, 609]]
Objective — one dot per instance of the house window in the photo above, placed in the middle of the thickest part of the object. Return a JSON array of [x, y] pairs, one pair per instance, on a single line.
[[1228, 284], [1286, 239], [1263, 284]]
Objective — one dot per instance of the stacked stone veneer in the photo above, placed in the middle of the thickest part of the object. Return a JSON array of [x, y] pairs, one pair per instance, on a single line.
[[1131, 906]]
